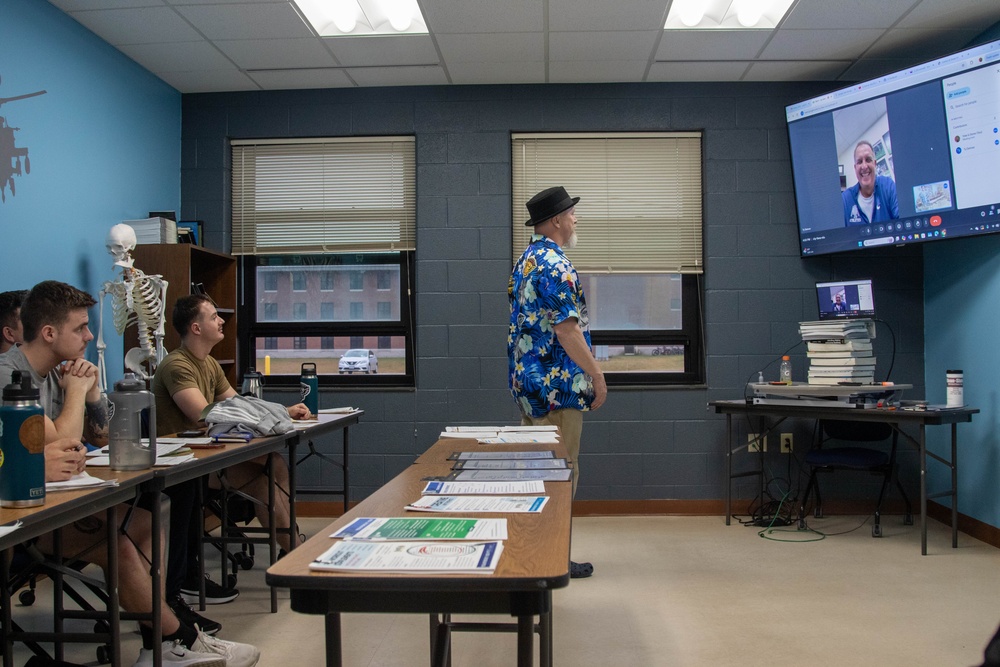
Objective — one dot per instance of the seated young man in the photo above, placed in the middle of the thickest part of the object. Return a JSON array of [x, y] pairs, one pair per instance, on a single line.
[[10, 318], [185, 382], [56, 333]]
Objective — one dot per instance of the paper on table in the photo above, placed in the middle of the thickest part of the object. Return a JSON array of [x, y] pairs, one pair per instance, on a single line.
[[502, 456], [474, 488], [519, 438], [469, 435], [162, 448], [338, 411], [395, 529], [510, 475], [495, 504], [10, 527], [510, 464], [79, 481], [411, 557], [161, 461]]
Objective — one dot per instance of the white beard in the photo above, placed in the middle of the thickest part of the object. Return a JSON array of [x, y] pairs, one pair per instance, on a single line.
[[572, 242]]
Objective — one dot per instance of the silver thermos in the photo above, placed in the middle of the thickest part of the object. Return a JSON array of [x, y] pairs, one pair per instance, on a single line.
[[253, 384]]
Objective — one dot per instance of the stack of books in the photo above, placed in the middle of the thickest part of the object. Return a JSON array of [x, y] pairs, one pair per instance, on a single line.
[[839, 351], [154, 230]]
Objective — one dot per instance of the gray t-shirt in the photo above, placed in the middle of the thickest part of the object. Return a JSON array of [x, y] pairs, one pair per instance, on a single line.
[[51, 394]]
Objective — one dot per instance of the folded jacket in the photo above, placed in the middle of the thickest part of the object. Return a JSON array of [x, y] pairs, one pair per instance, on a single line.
[[248, 414]]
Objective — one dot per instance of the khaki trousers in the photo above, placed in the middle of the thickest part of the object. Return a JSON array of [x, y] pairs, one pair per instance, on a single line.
[[570, 423]]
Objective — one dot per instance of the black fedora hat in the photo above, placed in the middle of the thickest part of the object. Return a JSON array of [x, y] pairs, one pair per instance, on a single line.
[[549, 203]]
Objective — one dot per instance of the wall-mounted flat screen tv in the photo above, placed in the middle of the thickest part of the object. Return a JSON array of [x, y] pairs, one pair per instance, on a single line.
[[909, 157]]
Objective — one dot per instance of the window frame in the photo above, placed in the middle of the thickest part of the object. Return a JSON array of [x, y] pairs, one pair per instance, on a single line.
[[691, 335]]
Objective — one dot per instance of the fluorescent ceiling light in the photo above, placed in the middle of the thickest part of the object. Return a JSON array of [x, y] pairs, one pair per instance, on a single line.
[[726, 14], [356, 18]]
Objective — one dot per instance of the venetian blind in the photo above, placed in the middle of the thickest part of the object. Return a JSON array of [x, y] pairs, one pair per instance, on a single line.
[[640, 208], [324, 195]]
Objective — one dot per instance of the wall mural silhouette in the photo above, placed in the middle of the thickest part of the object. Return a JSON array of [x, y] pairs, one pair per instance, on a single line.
[[11, 154]]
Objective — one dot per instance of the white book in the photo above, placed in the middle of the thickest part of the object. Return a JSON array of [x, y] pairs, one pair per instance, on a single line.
[[842, 361]]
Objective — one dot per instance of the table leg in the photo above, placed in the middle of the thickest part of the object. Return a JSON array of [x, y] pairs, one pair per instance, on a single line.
[[729, 466], [923, 490], [525, 640], [347, 486], [272, 532], [114, 619], [293, 521], [8, 627], [441, 641], [545, 654], [954, 486], [333, 644], [157, 568]]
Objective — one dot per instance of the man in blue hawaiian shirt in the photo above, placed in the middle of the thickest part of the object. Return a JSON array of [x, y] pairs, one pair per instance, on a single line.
[[553, 374]]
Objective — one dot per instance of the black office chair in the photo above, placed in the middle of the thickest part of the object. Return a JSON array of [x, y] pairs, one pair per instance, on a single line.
[[857, 458]]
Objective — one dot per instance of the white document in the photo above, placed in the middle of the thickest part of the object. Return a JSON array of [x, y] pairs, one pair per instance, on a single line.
[[162, 448], [511, 464], [81, 480], [480, 488], [338, 411], [161, 461], [563, 475], [9, 527], [470, 429], [469, 435], [518, 439], [541, 428], [411, 557], [501, 456], [495, 504]]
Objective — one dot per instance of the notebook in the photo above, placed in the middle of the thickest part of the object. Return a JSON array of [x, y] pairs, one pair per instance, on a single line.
[[845, 299]]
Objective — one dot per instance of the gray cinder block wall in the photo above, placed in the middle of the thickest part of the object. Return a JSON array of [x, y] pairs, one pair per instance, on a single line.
[[644, 444]]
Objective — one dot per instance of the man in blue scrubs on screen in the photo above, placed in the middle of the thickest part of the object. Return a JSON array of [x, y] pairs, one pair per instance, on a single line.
[[873, 197]]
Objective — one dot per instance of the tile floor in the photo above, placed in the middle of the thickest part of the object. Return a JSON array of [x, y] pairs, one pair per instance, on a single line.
[[690, 592]]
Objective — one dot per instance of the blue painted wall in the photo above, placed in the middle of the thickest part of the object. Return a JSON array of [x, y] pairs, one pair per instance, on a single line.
[[962, 318], [104, 146]]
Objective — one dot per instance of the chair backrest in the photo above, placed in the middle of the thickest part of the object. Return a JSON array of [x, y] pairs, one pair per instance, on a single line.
[[857, 431]]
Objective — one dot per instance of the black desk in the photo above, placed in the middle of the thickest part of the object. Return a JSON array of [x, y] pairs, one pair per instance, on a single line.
[[895, 418]]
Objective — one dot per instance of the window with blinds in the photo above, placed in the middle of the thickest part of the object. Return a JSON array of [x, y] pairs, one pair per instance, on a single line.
[[324, 195], [326, 231], [639, 250], [641, 198]]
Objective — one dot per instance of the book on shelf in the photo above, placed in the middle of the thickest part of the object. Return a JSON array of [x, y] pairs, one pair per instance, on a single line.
[[844, 345], [846, 354], [842, 361]]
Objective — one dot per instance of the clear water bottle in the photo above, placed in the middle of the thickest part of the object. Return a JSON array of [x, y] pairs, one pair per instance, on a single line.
[[785, 370]]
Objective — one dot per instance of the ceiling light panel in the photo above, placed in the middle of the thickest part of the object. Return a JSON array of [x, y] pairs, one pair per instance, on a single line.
[[726, 14], [357, 18]]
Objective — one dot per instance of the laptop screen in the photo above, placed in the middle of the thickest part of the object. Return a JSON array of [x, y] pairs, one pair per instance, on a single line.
[[845, 299]]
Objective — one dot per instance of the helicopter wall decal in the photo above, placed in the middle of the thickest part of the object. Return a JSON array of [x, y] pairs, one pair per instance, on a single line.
[[10, 154]]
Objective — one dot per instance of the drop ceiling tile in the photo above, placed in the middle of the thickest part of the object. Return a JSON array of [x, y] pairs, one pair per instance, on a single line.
[[141, 25], [596, 71], [504, 47], [177, 57], [480, 16], [711, 44], [275, 53], [796, 71], [246, 21], [870, 68], [209, 81], [920, 45], [851, 14], [697, 71], [398, 76], [78, 5], [600, 15], [953, 14], [302, 79], [819, 44], [496, 72], [391, 50], [609, 45]]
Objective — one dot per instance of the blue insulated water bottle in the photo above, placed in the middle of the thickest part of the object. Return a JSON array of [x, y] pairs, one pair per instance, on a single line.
[[22, 444], [309, 383]]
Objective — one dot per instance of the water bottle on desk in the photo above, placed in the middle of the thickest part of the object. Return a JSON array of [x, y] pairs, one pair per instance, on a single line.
[[126, 405], [785, 370], [309, 383], [22, 441]]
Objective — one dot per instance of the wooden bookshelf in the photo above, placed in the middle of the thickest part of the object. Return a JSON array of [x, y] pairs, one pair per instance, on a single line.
[[183, 265]]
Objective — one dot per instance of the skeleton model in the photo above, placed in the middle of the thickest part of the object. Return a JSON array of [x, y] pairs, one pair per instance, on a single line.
[[135, 298]]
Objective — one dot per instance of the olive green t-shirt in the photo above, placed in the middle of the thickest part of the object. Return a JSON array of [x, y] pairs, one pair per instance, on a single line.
[[182, 370]]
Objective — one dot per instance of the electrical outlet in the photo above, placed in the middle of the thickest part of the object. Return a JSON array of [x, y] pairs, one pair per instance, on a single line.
[[752, 441], [786, 443]]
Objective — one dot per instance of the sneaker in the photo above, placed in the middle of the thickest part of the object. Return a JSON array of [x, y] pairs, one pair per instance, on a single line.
[[234, 653], [214, 593], [176, 655], [580, 570], [190, 617]]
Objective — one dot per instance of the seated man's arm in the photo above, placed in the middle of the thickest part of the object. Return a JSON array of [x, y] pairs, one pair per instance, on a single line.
[[85, 411], [571, 337], [192, 402]]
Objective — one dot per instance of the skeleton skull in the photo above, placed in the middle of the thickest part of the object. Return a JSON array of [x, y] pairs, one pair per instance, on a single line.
[[120, 243]]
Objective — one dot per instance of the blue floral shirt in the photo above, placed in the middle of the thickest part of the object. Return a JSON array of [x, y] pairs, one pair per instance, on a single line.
[[544, 290]]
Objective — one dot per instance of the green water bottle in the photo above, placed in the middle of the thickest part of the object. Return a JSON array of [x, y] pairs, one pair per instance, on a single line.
[[22, 444], [309, 384]]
